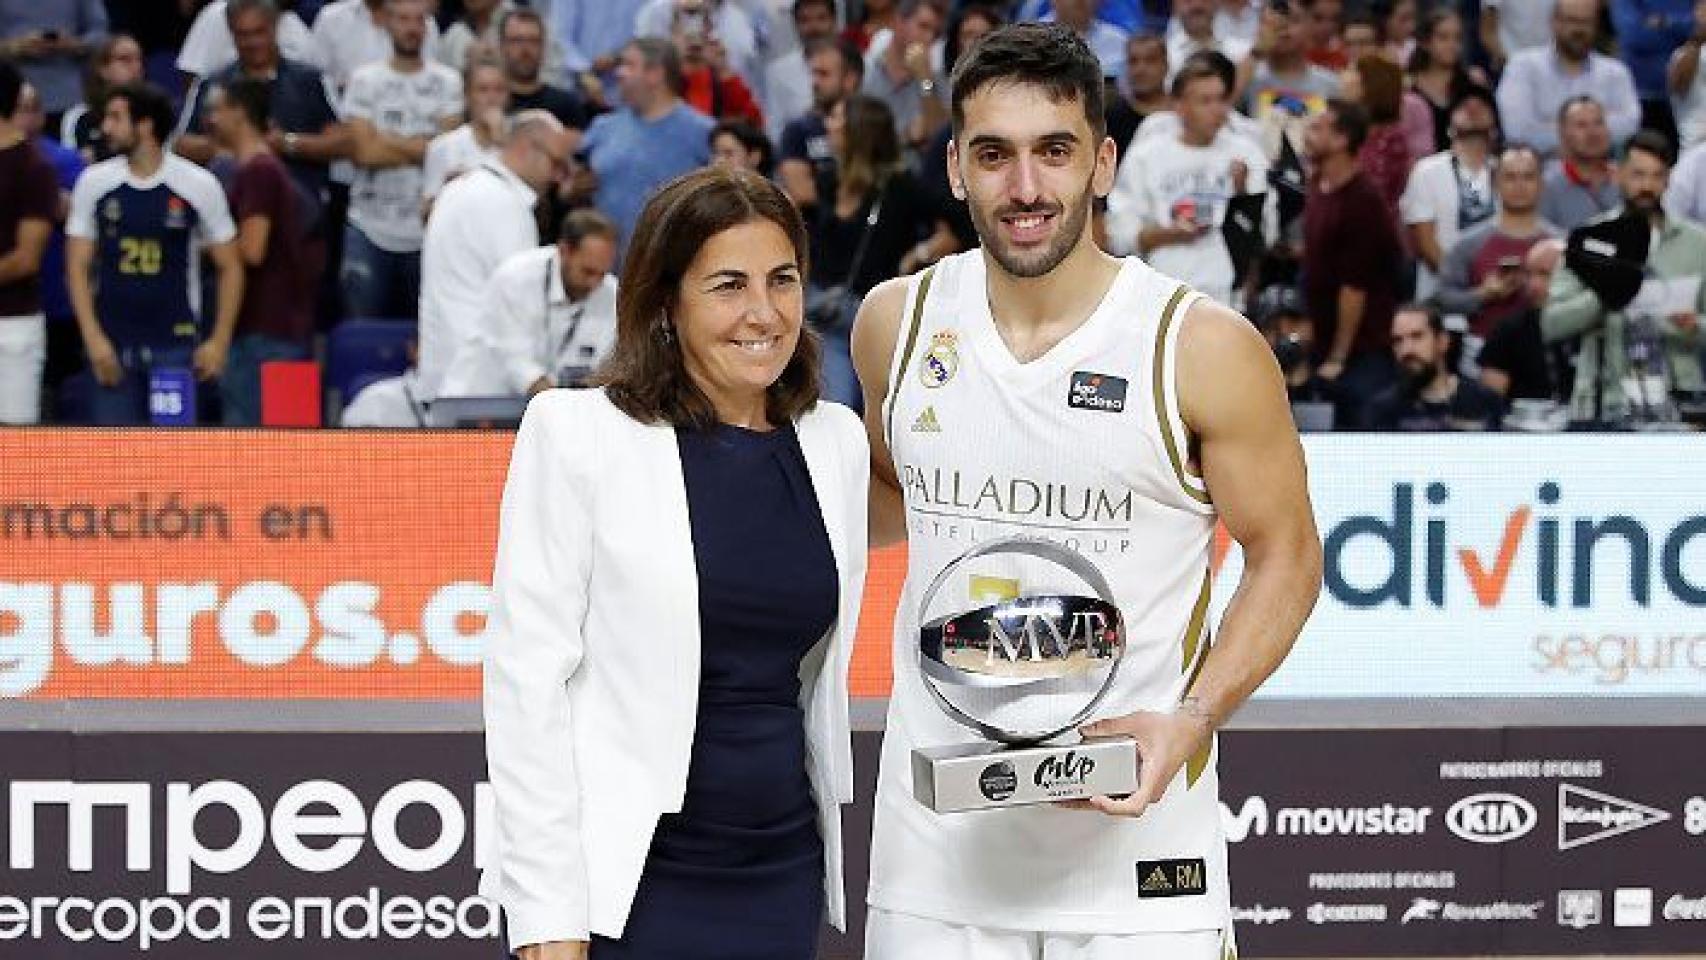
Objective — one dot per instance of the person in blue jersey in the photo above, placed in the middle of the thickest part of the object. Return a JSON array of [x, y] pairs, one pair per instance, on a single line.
[[130, 258]]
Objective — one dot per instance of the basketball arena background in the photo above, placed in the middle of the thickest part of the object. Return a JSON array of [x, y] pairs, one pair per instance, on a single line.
[[239, 700]]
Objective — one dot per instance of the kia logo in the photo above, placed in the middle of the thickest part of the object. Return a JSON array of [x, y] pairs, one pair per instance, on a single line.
[[1491, 817]]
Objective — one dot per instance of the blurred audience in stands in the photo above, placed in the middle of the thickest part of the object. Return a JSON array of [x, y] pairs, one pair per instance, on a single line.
[[276, 319], [1430, 397], [1455, 224], [29, 207], [118, 61], [392, 108]]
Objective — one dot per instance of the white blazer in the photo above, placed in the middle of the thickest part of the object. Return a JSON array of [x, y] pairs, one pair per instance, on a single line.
[[592, 658]]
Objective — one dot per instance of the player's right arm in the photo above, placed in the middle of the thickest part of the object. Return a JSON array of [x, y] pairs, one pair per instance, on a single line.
[[875, 331]]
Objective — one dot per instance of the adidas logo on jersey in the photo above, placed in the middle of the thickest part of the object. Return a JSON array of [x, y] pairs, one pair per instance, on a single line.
[[927, 422], [1157, 882], [1171, 878]]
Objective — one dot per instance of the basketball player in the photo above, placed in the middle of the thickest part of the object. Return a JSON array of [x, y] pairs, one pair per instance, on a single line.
[[1038, 386]]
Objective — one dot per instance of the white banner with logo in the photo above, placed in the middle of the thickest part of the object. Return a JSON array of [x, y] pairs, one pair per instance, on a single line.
[[1490, 566]]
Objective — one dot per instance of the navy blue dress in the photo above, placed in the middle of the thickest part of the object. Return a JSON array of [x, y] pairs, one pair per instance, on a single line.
[[738, 873]]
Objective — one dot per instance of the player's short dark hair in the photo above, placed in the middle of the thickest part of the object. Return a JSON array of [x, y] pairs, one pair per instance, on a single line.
[[147, 102], [1436, 322], [1202, 66], [578, 225], [253, 97], [1045, 55], [1653, 143], [1350, 120], [11, 88]]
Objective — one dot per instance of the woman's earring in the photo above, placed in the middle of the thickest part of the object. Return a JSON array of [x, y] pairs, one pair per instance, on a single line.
[[665, 332]]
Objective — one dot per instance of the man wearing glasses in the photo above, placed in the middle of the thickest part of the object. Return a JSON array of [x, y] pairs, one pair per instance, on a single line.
[[480, 219]]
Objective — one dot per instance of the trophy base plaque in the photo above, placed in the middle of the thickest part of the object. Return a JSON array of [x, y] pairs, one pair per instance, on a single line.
[[984, 776]]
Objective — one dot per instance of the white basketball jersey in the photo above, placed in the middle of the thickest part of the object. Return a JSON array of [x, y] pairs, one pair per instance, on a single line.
[[1084, 446]]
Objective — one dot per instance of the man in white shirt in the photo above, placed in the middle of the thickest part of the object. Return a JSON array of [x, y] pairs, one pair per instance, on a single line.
[[1538, 81], [1193, 28], [1451, 191], [1687, 82], [209, 45], [393, 108], [1172, 193], [1238, 20], [481, 219], [485, 93], [550, 316], [788, 90], [351, 34], [1686, 197], [1509, 27]]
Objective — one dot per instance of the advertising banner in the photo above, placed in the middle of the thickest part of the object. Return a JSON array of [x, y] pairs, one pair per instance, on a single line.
[[1497, 566], [299, 846], [1548, 841], [228, 564]]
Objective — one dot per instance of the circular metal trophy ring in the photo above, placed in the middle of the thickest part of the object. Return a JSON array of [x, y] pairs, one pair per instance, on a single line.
[[932, 662]]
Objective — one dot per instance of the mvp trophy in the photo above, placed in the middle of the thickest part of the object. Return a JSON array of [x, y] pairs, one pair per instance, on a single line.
[[1020, 672]]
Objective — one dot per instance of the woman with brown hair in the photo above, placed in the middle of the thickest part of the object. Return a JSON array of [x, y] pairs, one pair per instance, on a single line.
[[1378, 84], [680, 559], [1439, 74], [874, 220]]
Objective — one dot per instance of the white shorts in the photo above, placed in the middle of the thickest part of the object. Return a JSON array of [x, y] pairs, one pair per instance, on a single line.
[[900, 936], [23, 352]]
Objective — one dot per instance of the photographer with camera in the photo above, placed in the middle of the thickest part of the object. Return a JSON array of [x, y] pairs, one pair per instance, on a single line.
[[1637, 312]]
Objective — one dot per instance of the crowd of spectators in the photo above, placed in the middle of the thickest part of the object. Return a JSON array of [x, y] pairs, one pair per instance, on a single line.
[[1444, 214]]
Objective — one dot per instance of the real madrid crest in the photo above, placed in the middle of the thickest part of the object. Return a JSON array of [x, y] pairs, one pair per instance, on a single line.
[[112, 210], [941, 361]]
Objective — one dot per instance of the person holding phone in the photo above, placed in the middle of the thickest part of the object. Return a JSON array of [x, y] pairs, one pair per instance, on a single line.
[[1483, 277], [49, 40]]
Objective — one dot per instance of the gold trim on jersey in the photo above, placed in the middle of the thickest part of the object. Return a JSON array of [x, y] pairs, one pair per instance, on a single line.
[[1181, 470], [1194, 647], [911, 344], [1193, 627]]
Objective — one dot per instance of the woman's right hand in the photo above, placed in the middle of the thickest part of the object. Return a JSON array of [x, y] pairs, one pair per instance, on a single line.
[[555, 950]]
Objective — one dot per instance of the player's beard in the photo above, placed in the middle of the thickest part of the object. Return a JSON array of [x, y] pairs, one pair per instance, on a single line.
[[1034, 263]]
